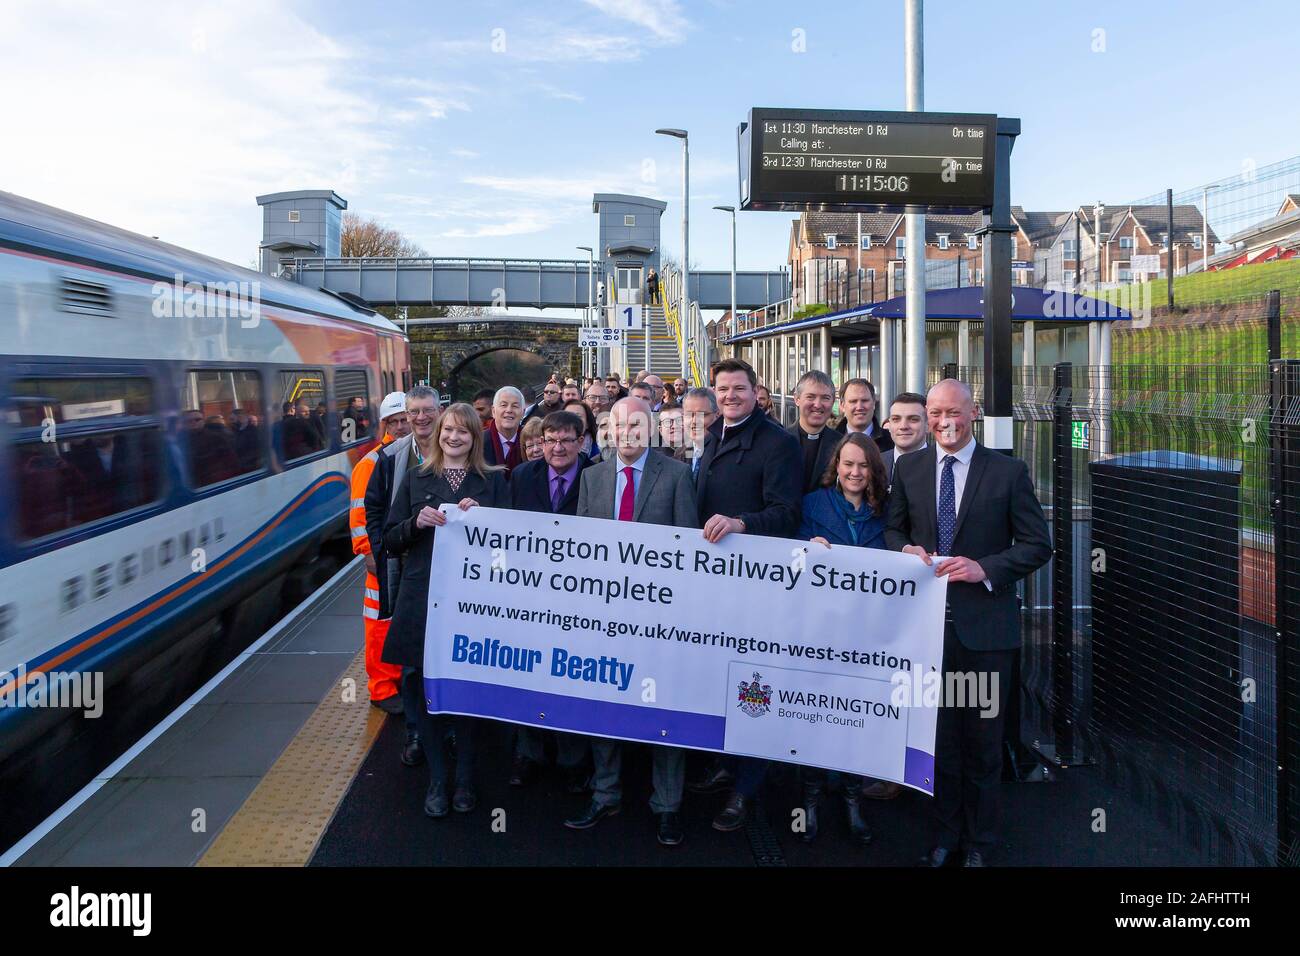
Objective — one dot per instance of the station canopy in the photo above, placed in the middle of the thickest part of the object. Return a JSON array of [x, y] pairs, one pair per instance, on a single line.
[[1027, 304]]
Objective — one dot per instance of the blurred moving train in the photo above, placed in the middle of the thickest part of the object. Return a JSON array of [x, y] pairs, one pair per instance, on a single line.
[[176, 439]]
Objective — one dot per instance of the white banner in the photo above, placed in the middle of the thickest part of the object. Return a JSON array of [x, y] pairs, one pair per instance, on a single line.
[[761, 646]]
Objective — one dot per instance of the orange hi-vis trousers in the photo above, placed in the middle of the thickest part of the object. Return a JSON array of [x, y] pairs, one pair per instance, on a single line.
[[381, 679]]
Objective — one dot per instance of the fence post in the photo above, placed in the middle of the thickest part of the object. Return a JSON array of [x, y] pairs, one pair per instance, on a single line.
[[1284, 448], [1063, 727]]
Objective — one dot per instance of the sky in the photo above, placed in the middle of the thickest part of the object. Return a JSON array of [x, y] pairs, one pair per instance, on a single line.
[[483, 128]]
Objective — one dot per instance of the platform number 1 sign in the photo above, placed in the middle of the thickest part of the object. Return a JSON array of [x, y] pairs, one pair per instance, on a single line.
[[626, 316]]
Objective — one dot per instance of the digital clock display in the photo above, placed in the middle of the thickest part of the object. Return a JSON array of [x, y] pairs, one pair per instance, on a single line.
[[801, 159]]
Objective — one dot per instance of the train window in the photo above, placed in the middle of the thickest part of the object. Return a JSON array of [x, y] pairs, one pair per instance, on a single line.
[[222, 424], [300, 427], [352, 398], [86, 451]]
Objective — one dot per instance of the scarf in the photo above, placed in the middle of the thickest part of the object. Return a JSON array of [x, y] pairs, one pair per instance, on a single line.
[[856, 518]]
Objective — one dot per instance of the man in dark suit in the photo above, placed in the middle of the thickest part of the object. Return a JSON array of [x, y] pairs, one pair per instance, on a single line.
[[549, 485], [750, 481], [814, 394], [858, 406], [501, 443], [632, 484], [978, 511], [906, 426]]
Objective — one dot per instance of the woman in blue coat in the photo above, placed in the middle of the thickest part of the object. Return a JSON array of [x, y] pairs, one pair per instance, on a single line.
[[847, 511]]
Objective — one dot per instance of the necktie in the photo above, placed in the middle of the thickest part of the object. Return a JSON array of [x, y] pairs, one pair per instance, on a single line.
[[559, 493], [627, 504], [695, 466], [947, 507]]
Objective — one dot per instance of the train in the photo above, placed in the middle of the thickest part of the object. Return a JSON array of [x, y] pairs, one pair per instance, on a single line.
[[176, 441]]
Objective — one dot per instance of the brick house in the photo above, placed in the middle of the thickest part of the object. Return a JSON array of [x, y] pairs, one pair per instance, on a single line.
[[826, 252], [1127, 231]]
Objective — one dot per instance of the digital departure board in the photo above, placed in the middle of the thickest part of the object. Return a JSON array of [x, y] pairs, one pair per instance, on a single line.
[[867, 160]]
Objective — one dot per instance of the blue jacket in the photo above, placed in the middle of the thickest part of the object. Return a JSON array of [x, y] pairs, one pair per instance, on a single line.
[[822, 518]]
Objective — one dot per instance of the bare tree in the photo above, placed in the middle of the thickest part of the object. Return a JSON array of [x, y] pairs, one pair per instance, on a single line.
[[371, 238]]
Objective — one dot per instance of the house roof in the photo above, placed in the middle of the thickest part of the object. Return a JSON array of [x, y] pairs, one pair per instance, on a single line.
[[1039, 226]]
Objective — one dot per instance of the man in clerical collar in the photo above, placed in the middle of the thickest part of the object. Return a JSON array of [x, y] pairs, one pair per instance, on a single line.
[[814, 395], [858, 403]]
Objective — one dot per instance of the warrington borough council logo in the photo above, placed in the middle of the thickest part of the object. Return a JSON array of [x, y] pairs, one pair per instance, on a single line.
[[755, 697]]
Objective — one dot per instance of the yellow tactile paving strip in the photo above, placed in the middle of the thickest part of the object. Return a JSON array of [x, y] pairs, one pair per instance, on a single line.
[[286, 814]]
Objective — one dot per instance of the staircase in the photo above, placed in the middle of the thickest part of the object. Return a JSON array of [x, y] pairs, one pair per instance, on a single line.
[[665, 360]]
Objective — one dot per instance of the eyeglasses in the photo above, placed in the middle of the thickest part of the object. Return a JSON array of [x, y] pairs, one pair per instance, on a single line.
[[559, 441], [422, 413]]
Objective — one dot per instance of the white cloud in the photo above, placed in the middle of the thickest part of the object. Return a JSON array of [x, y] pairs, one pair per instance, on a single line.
[[170, 119], [437, 107], [464, 153], [663, 18]]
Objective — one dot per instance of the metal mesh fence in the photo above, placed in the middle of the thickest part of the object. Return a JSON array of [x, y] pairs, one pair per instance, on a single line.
[[1161, 641]]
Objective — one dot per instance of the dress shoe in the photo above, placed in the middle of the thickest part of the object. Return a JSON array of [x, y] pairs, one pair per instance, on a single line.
[[436, 803], [389, 705], [670, 829], [594, 813], [812, 798], [974, 858], [858, 829], [733, 814], [523, 771], [577, 780], [939, 856], [464, 799], [716, 778], [412, 752], [881, 790]]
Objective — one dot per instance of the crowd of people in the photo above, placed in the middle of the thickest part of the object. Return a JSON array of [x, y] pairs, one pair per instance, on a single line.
[[715, 459]]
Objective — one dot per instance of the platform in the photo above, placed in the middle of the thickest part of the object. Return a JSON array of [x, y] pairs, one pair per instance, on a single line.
[[281, 761]]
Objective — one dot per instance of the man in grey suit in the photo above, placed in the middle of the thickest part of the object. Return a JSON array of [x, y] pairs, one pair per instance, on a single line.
[[635, 485], [907, 428]]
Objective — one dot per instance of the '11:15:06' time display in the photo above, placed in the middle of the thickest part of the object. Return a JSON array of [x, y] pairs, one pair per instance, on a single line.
[[875, 184]]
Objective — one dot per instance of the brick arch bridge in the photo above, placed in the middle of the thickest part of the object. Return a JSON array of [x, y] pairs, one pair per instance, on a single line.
[[443, 347]]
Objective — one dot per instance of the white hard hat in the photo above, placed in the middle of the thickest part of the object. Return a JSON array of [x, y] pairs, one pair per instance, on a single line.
[[393, 403]]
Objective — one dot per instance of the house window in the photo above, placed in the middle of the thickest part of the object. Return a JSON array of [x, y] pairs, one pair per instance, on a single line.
[[629, 220], [943, 240], [1068, 250], [1125, 275], [1196, 241], [293, 215], [831, 240], [1125, 243], [900, 247], [864, 242], [972, 242], [1069, 276]]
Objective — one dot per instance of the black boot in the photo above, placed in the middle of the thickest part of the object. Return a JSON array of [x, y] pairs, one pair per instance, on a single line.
[[812, 798], [858, 828]]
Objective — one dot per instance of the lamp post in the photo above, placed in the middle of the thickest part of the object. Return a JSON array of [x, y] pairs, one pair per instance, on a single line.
[[684, 306], [587, 321], [1205, 226], [732, 210], [1098, 210]]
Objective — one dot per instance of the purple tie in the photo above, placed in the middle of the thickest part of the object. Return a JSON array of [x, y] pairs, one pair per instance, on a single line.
[[559, 493]]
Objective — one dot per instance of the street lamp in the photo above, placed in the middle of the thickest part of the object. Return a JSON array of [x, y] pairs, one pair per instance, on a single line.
[[732, 210], [1098, 210], [588, 321], [684, 305]]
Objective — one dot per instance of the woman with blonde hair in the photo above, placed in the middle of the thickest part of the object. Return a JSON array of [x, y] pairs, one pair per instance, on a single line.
[[454, 472], [531, 435]]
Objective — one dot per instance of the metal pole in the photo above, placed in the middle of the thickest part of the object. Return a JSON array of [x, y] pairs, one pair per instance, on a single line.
[[1205, 229], [998, 427], [1078, 254], [733, 266], [914, 70], [1169, 242], [684, 318], [1063, 564], [859, 302]]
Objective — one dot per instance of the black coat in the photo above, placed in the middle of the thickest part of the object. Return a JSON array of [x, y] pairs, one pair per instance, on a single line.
[[530, 488], [884, 440], [405, 642], [825, 452], [756, 476], [999, 523]]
